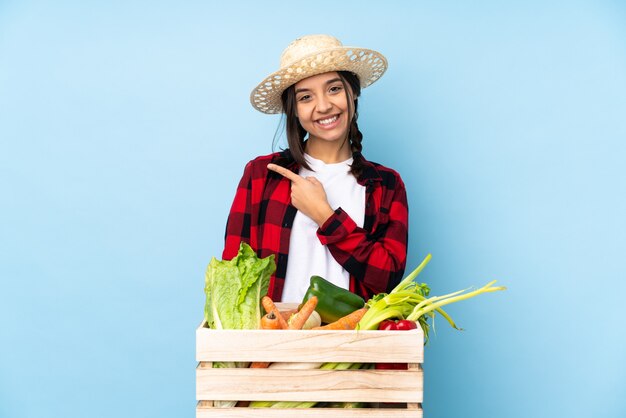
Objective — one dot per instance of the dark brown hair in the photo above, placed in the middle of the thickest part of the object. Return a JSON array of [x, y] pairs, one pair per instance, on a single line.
[[296, 133]]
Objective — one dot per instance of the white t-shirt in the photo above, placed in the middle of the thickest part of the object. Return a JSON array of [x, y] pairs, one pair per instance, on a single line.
[[307, 256]]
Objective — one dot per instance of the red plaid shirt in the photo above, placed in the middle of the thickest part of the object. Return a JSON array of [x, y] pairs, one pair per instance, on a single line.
[[375, 255]]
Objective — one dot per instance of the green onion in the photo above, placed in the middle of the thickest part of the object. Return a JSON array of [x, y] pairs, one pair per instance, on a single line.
[[409, 300], [431, 304]]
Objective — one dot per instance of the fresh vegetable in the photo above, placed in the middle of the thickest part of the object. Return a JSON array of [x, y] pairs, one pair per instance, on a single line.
[[270, 321], [233, 289], [388, 325], [295, 365], [405, 325], [409, 300], [401, 325], [297, 320], [334, 302], [347, 322], [391, 366], [314, 321], [270, 307], [259, 364]]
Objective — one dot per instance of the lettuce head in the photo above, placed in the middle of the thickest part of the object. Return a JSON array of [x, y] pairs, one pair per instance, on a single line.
[[234, 289]]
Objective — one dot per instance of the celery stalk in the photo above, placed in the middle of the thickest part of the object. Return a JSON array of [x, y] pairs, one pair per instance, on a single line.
[[409, 300], [408, 279], [432, 306]]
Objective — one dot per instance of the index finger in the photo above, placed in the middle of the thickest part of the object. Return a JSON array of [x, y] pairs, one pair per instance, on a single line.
[[284, 172]]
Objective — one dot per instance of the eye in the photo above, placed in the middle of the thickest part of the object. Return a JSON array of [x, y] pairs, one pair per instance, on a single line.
[[335, 89], [304, 98]]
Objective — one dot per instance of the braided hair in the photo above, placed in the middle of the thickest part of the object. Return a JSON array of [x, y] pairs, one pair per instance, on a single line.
[[296, 133]]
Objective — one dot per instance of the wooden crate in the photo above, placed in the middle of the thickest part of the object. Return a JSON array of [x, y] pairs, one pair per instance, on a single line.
[[402, 389]]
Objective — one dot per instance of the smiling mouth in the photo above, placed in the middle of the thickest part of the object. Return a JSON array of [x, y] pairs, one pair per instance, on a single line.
[[328, 121]]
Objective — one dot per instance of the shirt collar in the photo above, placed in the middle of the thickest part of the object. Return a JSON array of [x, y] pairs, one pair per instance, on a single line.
[[368, 176]]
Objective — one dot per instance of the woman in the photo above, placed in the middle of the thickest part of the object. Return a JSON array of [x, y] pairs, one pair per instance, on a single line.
[[319, 206]]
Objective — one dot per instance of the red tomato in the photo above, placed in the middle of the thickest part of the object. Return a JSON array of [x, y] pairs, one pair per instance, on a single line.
[[388, 326], [405, 325], [385, 366], [391, 366]]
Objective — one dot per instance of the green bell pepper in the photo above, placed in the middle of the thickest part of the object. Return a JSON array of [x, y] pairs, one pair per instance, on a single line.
[[333, 302]]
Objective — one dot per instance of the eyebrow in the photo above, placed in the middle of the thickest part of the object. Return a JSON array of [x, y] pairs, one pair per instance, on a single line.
[[334, 80]]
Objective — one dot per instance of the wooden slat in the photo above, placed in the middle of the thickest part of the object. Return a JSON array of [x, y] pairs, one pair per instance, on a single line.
[[310, 385], [414, 367], [307, 413], [310, 346]]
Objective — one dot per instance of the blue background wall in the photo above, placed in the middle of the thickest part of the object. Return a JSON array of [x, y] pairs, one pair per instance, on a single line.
[[125, 126]]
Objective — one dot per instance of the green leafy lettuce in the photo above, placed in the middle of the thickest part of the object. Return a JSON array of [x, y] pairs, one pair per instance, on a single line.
[[234, 289]]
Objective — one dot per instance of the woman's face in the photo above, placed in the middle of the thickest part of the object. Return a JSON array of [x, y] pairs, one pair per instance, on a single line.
[[322, 107]]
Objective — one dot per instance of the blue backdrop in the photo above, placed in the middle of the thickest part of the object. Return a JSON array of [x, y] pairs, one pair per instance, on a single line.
[[124, 129]]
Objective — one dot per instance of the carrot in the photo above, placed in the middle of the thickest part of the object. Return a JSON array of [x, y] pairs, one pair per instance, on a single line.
[[270, 321], [297, 321], [268, 305], [260, 365], [347, 322]]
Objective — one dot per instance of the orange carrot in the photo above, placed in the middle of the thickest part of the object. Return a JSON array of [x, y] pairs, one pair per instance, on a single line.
[[268, 305], [260, 365], [297, 321], [270, 321], [347, 322]]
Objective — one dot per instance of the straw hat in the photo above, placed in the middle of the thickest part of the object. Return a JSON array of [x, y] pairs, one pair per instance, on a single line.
[[311, 55]]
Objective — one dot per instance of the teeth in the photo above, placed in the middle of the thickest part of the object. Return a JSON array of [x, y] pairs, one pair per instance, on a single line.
[[328, 121]]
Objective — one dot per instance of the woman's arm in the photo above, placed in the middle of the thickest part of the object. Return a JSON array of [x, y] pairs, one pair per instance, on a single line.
[[377, 260], [238, 224]]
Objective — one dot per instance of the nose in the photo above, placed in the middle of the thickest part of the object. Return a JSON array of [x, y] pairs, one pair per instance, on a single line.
[[323, 104]]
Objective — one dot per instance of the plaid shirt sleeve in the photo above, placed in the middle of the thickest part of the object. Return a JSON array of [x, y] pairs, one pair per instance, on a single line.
[[375, 259], [238, 224]]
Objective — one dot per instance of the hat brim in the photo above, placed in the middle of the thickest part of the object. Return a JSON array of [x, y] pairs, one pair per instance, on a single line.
[[367, 64]]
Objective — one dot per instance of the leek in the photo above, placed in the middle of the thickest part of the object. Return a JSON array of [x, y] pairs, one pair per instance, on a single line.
[[409, 300]]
